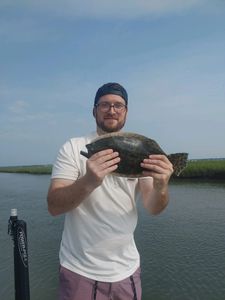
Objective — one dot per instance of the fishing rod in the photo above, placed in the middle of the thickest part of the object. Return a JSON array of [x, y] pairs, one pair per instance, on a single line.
[[17, 229]]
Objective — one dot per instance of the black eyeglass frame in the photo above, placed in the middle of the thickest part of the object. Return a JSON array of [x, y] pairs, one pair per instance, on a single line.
[[122, 107]]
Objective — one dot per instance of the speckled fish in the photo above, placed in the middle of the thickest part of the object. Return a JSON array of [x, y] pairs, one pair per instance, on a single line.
[[133, 148]]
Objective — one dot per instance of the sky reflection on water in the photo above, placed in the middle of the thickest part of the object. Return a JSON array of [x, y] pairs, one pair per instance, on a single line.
[[182, 249]]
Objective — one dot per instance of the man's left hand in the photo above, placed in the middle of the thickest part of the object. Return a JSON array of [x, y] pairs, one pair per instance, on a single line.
[[160, 168]]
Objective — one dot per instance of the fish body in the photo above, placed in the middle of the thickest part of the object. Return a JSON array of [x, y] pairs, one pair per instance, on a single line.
[[133, 149]]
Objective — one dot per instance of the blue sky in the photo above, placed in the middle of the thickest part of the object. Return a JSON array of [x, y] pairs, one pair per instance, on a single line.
[[169, 55]]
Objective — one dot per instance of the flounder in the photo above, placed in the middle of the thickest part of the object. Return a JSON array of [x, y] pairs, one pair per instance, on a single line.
[[133, 149]]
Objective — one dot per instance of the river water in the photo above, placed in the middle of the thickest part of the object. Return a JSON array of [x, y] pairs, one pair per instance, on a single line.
[[182, 249]]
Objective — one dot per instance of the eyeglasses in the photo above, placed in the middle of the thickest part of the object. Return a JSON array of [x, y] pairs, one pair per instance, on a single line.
[[106, 106]]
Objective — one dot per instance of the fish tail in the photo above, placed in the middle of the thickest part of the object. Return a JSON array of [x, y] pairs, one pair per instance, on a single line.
[[179, 162]]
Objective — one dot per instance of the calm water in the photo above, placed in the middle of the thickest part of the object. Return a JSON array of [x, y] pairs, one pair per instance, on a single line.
[[182, 250]]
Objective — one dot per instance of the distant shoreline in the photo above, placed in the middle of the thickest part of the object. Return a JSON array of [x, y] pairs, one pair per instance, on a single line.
[[204, 169], [196, 169], [30, 169]]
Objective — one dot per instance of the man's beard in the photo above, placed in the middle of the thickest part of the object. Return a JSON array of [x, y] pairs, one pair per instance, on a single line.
[[110, 129]]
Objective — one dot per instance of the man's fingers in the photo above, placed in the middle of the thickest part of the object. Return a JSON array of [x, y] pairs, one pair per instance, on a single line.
[[157, 163], [109, 170], [103, 163], [110, 163], [104, 155]]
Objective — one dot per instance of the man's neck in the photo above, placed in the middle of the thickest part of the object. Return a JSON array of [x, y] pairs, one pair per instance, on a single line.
[[101, 132]]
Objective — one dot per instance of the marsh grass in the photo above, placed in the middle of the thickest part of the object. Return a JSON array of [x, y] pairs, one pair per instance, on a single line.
[[205, 168], [199, 168], [33, 169]]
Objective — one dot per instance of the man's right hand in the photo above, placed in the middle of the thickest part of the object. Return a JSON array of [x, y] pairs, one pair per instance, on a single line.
[[101, 164], [65, 195]]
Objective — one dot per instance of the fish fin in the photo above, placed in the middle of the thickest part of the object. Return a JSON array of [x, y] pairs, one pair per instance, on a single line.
[[85, 154], [179, 161]]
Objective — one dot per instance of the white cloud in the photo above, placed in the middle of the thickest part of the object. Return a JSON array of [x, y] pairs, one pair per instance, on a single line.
[[110, 9], [25, 29], [127, 9], [18, 107]]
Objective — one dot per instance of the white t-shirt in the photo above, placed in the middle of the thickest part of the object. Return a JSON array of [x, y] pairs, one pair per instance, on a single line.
[[97, 240]]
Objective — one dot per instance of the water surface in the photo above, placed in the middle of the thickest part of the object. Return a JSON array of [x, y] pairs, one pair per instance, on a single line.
[[182, 249]]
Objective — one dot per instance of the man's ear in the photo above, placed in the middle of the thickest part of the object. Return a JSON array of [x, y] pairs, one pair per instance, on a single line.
[[94, 112]]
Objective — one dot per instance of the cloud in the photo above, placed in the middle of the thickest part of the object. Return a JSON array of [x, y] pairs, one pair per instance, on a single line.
[[109, 9], [18, 107], [120, 9], [25, 29]]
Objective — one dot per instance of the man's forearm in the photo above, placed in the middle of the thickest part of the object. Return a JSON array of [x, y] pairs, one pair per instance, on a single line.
[[63, 198], [157, 202], [155, 198]]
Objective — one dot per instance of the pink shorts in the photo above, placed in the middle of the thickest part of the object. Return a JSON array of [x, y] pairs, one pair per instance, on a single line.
[[73, 286]]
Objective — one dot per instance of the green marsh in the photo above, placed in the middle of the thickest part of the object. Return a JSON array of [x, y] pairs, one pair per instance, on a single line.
[[199, 168]]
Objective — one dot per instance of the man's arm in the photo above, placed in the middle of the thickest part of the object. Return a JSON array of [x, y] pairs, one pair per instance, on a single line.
[[65, 195], [154, 190]]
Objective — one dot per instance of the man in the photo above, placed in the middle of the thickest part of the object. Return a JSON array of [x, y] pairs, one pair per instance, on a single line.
[[98, 256]]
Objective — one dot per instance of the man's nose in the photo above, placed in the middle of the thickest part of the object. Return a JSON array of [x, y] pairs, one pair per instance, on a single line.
[[112, 109]]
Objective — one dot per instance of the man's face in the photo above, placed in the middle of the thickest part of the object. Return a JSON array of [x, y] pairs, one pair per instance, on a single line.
[[113, 119]]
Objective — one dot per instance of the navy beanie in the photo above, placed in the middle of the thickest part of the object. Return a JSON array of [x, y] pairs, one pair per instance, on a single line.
[[111, 88]]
